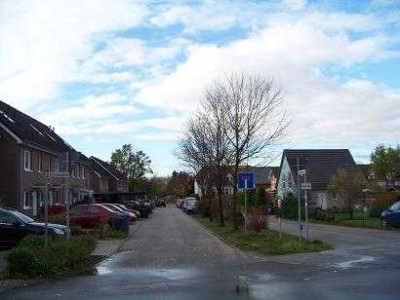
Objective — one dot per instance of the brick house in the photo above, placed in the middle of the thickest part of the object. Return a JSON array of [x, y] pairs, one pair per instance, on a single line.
[[106, 182], [320, 165], [29, 150]]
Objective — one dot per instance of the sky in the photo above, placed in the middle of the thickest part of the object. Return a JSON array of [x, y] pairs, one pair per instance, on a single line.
[[105, 73]]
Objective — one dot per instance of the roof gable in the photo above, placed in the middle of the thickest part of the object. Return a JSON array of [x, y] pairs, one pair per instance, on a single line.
[[320, 164], [30, 130], [105, 169]]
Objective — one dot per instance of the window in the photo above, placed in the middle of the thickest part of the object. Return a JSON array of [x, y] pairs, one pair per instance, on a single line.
[[78, 171], [5, 218], [27, 160], [56, 164], [83, 172], [40, 163], [50, 164], [27, 200]]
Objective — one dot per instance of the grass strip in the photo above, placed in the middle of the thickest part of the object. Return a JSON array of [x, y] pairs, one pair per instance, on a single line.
[[266, 242]]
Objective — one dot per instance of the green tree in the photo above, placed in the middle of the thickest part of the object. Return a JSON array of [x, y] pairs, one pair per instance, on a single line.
[[133, 165], [386, 162], [348, 185]]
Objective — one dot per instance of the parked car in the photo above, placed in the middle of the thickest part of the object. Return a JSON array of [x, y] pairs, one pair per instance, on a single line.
[[14, 226], [186, 202], [179, 203], [132, 216], [88, 216], [143, 209], [161, 203], [192, 207], [391, 216], [136, 212]]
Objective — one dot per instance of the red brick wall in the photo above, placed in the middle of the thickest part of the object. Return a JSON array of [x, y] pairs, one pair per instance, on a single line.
[[8, 170]]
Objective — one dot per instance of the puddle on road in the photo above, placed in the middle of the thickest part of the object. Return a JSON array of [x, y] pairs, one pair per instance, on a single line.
[[351, 263], [103, 268]]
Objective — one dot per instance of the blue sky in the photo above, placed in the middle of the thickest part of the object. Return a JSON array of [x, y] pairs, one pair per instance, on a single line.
[[110, 72]]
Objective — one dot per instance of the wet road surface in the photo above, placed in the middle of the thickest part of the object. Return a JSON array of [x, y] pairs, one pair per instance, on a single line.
[[353, 247], [171, 256]]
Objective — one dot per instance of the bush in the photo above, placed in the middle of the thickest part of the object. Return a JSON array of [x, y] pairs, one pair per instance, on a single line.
[[289, 207], [30, 259], [256, 219]]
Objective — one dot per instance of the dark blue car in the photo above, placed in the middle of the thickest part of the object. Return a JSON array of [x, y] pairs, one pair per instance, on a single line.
[[391, 216]]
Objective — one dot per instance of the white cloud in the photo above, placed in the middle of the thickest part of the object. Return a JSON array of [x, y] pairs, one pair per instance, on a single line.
[[295, 4], [88, 114], [325, 110], [41, 42]]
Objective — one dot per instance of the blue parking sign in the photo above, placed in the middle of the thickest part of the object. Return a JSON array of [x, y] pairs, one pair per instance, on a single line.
[[245, 180]]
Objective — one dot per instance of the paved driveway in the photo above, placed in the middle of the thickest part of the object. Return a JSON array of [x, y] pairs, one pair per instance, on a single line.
[[172, 239]]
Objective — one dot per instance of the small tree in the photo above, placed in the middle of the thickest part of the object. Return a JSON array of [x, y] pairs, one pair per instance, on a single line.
[[348, 186], [133, 165], [386, 162]]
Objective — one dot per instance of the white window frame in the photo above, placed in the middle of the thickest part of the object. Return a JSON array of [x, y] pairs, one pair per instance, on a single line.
[[83, 172], [26, 198], [28, 160], [40, 163]]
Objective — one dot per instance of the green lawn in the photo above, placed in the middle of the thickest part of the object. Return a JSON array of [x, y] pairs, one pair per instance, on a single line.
[[374, 223], [266, 242]]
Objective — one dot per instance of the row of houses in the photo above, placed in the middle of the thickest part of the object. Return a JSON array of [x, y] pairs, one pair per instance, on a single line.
[[35, 161], [320, 166]]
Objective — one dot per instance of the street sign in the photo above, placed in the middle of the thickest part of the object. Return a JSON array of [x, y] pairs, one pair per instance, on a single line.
[[57, 174], [245, 180], [306, 186], [302, 172]]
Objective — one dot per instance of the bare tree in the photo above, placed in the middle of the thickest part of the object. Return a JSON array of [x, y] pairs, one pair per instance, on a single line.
[[240, 117], [204, 147], [255, 118]]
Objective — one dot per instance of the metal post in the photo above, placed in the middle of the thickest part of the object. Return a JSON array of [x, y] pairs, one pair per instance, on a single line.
[[298, 198], [306, 207], [67, 196], [46, 212], [245, 205]]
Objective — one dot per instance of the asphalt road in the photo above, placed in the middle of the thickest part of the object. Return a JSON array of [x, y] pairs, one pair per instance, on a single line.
[[172, 257], [352, 246]]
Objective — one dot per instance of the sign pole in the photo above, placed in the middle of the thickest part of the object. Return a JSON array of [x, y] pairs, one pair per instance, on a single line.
[[46, 211], [67, 196], [306, 206], [245, 205], [298, 198]]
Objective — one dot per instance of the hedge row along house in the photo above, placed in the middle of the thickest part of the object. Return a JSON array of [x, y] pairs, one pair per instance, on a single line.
[[29, 152]]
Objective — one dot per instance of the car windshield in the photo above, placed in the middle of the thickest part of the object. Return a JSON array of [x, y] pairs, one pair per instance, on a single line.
[[22, 217], [395, 206]]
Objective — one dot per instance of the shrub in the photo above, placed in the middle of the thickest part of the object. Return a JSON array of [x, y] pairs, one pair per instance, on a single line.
[[256, 219], [30, 259]]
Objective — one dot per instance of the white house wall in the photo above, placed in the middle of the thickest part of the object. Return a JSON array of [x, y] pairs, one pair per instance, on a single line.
[[286, 183]]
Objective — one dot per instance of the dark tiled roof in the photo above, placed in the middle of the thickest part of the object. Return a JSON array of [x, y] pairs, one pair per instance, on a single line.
[[260, 174], [320, 164], [107, 171], [31, 130]]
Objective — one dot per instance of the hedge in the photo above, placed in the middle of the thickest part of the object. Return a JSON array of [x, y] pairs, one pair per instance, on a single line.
[[30, 259]]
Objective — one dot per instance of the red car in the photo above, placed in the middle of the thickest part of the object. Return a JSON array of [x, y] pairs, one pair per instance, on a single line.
[[132, 216], [88, 216]]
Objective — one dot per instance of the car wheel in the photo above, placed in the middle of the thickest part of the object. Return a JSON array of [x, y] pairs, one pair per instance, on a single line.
[[384, 223]]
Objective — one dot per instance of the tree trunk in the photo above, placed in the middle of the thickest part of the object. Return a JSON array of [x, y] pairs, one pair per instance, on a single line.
[[221, 208]]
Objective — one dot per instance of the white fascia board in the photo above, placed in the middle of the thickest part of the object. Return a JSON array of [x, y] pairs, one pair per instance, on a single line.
[[12, 134]]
